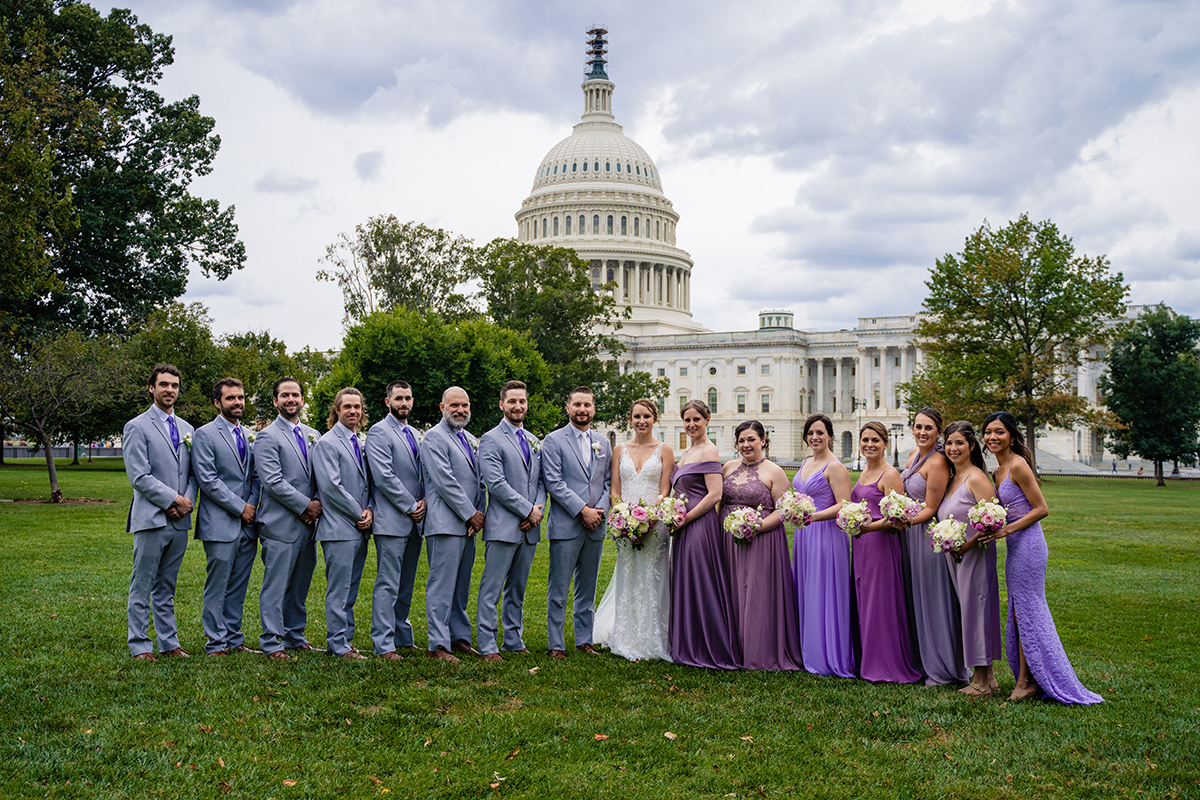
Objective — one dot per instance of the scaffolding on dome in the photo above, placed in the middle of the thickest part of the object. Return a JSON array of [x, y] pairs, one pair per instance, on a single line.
[[596, 52]]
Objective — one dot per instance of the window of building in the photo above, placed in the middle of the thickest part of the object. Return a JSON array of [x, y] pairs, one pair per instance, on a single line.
[[596, 166], [766, 369], [556, 169], [897, 361], [853, 369], [683, 401], [683, 441], [834, 404], [877, 361], [897, 399], [766, 404], [656, 236], [575, 166], [610, 224], [608, 166], [877, 398], [635, 227], [712, 400], [611, 275], [568, 228], [683, 372], [662, 372], [741, 404], [741, 369], [556, 226], [626, 167], [712, 370], [543, 227], [585, 166], [624, 230], [596, 223], [582, 224], [596, 278], [618, 166], [638, 168]]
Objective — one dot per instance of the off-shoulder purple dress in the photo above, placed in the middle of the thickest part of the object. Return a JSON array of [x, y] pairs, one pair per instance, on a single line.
[[879, 591], [1025, 560], [702, 630], [764, 592], [821, 567], [977, 586]]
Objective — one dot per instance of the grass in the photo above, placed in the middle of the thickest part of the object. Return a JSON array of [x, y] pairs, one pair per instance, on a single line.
[[82, 719]]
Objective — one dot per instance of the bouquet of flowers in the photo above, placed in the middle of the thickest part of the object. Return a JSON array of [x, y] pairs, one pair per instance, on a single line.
[[900, 507], [743, 523], [948, 535], [853, 517], [631, 522], [987, 516], [796, 508], [671, 511]]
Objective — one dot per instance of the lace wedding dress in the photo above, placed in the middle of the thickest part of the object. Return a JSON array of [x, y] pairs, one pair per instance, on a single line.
[[632, 618]]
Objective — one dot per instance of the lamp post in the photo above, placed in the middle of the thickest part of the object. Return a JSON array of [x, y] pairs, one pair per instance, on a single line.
[[857, 407], [897, 429]]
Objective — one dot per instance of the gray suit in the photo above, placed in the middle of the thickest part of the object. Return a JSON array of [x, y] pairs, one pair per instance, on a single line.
[[227, 484], [345, 487], [288, 551], [396, 474], [453, 493], [513, 490], [158, 473], [573, 482]]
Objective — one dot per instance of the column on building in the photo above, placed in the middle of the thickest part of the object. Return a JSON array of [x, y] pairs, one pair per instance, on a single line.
[[904, 367], [885, 379], [860, 371], [820, 409]]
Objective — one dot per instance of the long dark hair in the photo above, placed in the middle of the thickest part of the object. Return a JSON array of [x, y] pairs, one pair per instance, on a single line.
[[968, 432], [1018, 439]]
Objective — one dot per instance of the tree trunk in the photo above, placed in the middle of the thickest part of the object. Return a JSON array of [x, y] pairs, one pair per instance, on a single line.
[[75, 451], [1158, 473], [56, 494], [3, 438], [1031, 440]]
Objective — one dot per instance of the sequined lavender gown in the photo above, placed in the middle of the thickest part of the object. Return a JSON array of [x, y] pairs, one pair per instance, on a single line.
[[821, 567], [1025, 560], [702, 628], [764, 592], [931, 596]]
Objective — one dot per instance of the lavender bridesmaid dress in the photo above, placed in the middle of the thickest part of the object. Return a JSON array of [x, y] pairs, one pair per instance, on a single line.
[[702, 632], [935, 612], [879, 592], [977, 585], [1025, 561], [821, 568], [764, 592]]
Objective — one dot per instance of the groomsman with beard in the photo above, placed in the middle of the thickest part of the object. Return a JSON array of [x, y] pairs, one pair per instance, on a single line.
[[224, 467], [399, 500], [158, 464], [287, 516], [455, 498], [510, 465], [575, 468]]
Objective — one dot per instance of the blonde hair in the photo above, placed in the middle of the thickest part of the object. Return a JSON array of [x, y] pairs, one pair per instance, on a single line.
[[337, 405]]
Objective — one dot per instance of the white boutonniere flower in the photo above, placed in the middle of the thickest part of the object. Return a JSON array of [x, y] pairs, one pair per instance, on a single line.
[[535, 444], [598, 449], [312, 437], [251, 436], [362, 439], [187, 439]]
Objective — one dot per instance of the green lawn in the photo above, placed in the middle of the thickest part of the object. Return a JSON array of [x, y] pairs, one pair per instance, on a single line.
[[82, 719]]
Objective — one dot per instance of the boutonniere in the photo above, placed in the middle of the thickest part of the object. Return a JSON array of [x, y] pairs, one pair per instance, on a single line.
[[187, 439], [535, 444], [598, 449], [251, 436], [312, 437], [362, 439]]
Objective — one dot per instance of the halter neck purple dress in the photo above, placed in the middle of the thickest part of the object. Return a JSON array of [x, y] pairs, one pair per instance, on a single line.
[[1025, 560], [929, 595], [977, 587], [879, 592], [821, 567], [703, 631], [764, 592]]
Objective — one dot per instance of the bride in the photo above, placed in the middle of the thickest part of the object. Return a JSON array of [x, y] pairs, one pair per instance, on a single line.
[[632, 618]]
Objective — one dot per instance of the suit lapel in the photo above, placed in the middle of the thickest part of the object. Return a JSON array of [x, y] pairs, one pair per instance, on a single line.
[[290, 437], [574, 443], [161, 427], [511, 436], [397, 431], [233, 447]]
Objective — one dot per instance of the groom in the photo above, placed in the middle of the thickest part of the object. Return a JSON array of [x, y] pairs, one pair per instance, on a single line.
[[575, 466]]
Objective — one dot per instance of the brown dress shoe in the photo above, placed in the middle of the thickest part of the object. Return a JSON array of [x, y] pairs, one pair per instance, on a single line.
[[558, 653], [587, 648], [305, 647], [464, 647], [223, 652], [176, 652], [145, 657], [279, 655], [353, 655], [241, 648], [492, 657], [391, 655], [442, 654]]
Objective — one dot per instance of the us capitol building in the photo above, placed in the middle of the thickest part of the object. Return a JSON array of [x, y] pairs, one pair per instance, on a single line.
[[598, 192]]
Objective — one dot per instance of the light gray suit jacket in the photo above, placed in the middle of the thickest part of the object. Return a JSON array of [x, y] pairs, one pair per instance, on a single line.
[[157, 471], [287, 480], [513, 488], [396, 475], [344, 484], [226, 483], [453, 489], [573, 484]]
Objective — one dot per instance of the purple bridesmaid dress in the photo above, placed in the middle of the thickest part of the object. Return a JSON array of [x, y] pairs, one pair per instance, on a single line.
[[764, 592], [821, 568], [702, 631], [977, 586], [1025, 560], [879, 591]]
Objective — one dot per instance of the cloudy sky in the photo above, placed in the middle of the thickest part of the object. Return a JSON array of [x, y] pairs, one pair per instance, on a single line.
[[821, 154]]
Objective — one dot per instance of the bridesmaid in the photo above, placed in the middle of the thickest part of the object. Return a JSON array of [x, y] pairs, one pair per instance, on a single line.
[[702, 629], [928, 592], [972, 568], [878, 585], [1035, 653], [764, 592], [821, 564]]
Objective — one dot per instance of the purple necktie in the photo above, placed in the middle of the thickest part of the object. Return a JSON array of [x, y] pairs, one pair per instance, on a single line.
[[462, 437], [412, 443], [174, 431], [524, 445], [241, 442], [357, 449], [300, 441]]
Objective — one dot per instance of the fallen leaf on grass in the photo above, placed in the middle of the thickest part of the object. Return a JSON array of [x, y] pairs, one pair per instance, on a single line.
[[376, 780], [669, 735], [89, 730], [289, 782], [204, 728], [221, 761], [347, 720], [809, 726], [512, 755], [256, 698], [534, 671], [225, 787], [428, 741], [600, 737], [494, 785], [749, 739]]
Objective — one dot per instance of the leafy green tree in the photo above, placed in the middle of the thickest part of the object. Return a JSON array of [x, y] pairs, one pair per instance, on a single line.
[[129, 166], [387, 264], [257, 359], [1152, 387], [1006, 322], [181, 335], [433, 355]]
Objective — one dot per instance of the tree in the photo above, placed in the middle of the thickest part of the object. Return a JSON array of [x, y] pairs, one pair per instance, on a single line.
[[181, 335], [1152, 387], [258, 360], [388, 264], [129, 166], [60, 380], [1007, 321]]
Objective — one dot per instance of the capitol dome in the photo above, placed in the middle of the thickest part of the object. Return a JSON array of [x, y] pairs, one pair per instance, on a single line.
[[598, 192]]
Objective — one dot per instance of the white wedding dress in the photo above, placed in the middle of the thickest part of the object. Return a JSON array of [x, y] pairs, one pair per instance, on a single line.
[[632, 618]]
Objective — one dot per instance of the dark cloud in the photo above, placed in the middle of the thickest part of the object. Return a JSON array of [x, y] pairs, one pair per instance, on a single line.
[[275, 181], [368, 165]]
